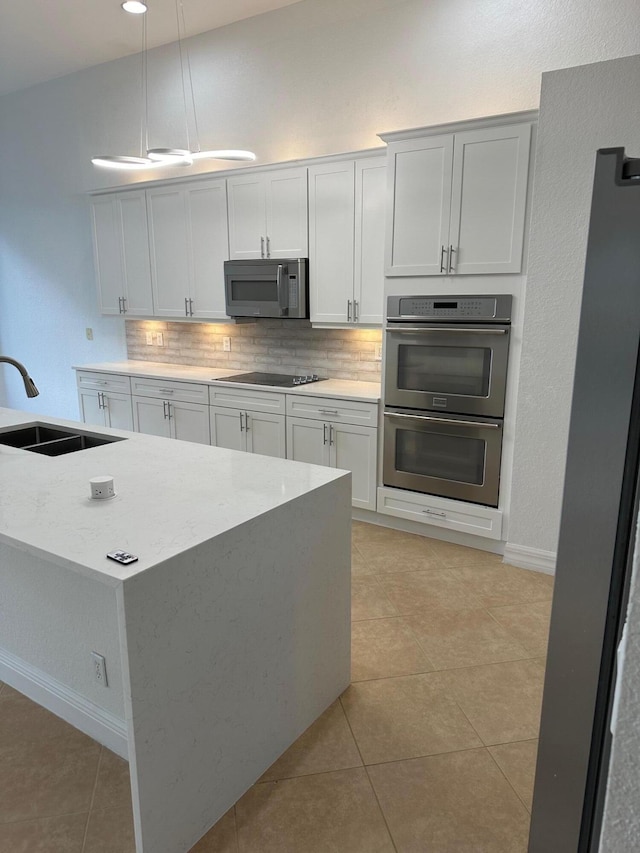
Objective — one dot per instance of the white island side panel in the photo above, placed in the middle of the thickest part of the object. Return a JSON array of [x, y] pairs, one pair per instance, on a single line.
[[234, 648]]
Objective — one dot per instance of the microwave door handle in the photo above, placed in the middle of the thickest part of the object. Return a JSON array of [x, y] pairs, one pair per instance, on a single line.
[[283, 301]]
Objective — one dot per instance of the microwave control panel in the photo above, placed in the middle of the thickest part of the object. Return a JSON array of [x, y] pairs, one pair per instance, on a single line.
[[293, 291]]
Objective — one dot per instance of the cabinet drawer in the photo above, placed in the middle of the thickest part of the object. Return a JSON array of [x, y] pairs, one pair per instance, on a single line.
[[245, 398], [103, 382], [453, 515], [332, 409], [168, 389]]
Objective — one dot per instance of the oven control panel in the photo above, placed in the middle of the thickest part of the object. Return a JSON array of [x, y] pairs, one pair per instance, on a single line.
[[450, 308]]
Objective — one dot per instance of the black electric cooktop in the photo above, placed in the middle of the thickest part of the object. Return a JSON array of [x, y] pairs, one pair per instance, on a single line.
[[281, 380]]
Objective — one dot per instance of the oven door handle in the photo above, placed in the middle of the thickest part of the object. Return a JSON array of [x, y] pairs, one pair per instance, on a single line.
[[446, 421], [466, 330]]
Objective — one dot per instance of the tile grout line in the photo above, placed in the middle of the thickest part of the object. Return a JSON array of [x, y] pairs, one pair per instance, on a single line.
[[375, 794], [93, 796], [506, 777]]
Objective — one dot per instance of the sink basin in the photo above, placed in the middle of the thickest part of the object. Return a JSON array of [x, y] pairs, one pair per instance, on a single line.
[[52, 441]]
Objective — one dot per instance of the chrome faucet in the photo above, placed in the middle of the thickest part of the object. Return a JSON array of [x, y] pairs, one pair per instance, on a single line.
[[29, 384]]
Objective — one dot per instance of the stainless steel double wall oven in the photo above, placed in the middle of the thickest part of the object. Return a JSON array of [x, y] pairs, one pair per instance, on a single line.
[[445, 382]]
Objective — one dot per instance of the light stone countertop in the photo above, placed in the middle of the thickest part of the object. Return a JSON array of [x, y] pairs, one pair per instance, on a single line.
[[170, 496], [368, 392]]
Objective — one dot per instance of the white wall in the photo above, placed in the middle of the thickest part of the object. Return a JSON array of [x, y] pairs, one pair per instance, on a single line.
[[318, 77], [581, 110]]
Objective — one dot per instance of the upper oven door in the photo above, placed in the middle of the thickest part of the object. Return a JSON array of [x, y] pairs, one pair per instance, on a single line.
[[450, 368]]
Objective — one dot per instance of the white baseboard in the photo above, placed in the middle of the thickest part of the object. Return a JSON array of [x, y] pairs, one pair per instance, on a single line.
[[530, 558], [64, 702]]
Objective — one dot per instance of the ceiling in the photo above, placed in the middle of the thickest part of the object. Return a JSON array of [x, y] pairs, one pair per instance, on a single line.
[[41, 39]]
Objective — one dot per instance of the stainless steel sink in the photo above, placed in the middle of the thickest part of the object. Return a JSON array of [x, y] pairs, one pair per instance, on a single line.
[[52, 441]]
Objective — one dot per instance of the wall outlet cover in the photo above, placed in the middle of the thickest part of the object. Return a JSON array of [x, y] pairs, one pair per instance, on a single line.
[[149, 339]]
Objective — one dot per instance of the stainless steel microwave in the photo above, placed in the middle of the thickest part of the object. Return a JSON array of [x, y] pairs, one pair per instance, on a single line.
[[267, 288]]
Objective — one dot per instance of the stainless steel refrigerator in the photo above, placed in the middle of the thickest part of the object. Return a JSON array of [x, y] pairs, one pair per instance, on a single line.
[[597, 526]]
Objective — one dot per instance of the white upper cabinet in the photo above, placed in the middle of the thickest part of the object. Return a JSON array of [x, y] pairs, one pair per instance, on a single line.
[[488, 200], [457, 202], [346, 241], [121, 253], [188, 246], [420, 191], [268, 214]]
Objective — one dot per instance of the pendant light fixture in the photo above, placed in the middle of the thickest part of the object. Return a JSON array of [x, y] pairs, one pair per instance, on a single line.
[[150, 158]]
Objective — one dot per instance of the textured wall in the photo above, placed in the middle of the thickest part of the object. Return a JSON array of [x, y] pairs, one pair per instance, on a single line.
[[319, 77], [581, 110], [621, 824], [281, 346]]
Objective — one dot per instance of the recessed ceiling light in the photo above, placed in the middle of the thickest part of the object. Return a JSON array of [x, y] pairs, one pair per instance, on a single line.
[[134, 7]]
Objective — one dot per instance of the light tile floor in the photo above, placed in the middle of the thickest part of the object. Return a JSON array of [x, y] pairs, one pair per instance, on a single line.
[[430, 750]]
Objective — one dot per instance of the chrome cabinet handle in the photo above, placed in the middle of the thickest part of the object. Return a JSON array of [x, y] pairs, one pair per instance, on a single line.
[[452, 252], [356, 310], [241, 425], [100, 401], [164, 409], [268, 246], [246, 421], [324, 433], [446, 421], [348, 310], [191, 307], [467, 330], [262, 247], [186, 307], [167, 390], [331, 441], [443, 252], [328, 411], [433, 512]]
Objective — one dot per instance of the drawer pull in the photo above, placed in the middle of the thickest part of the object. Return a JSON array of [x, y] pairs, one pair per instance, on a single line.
[[433, 512], [167, 390], [328, 411]]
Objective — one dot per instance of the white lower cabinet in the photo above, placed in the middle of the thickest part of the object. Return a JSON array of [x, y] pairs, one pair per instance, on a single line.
[[338, 445], [105, 399], [171, 409], [253, 432]]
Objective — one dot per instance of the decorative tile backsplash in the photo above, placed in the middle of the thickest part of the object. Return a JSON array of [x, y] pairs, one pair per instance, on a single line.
[[279, 346]]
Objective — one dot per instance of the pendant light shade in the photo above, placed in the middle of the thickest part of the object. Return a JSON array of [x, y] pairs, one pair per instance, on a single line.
[[155, 157]]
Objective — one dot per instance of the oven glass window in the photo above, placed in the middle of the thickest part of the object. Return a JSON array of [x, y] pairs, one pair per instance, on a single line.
[[246, 290], [447, 457], [444, 370]]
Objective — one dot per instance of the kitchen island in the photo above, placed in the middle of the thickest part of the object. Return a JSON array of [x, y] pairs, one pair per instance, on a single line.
[[225, 640]]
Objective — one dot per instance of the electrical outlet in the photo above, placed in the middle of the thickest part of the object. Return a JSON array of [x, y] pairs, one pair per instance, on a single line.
[[226, 344], [99, 669], [89, 333], [160, 339], [149, 339], [378, 353]]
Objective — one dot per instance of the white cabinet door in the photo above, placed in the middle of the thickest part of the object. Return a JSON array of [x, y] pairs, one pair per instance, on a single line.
[[225, 428], [265, 434], [189, 422], [117, 412], [354, 448], [132, 214], [286, 213], [121, 255], [268, 215], [91, 412], [331, 242], [419, 193], [169, 249], [371, 196], [247, 217], [150, 416], [488, 201], [208, 247], [308, 441]]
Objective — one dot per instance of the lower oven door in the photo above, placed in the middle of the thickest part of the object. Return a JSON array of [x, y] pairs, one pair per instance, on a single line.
[[450, 456]]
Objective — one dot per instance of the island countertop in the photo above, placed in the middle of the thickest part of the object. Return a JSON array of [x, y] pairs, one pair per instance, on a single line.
[[170, 496]]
